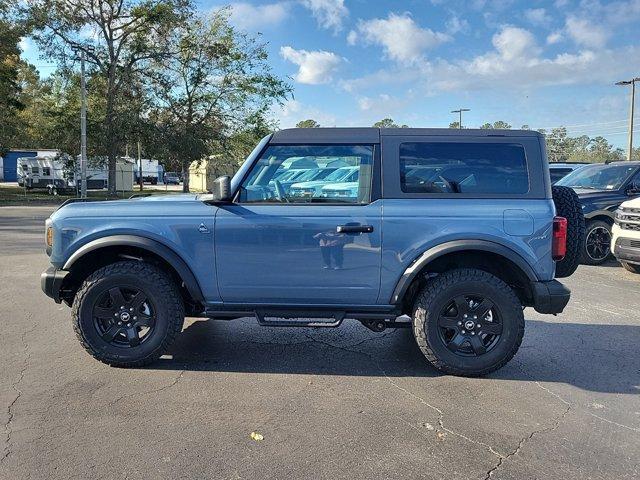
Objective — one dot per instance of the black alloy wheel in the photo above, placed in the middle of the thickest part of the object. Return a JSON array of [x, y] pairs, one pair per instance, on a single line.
[[124, 316], [469, 325], [597, 244]]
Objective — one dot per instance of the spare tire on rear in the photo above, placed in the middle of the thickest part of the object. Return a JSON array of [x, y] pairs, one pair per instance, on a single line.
[[568, 206]]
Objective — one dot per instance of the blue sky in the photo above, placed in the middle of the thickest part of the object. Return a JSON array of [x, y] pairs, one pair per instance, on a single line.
[[541, 63]]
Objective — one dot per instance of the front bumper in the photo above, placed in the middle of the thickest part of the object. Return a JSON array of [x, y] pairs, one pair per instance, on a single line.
[[550, 297], [627, 250], [51, 282]]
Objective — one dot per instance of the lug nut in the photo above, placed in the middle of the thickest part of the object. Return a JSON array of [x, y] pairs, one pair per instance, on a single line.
[[131, 309], [128, 324], [475, 317], [119, 323], [115, 314], [459, 323], [463, 331], [473, 333], [478, 325], [135, 318], [464, 316]]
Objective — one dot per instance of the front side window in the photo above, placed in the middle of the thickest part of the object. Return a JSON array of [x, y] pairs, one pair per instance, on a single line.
[[463, 168], [310, 174], [35, 170]]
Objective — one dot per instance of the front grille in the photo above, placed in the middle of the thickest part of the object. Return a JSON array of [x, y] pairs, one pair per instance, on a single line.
[[628, 218], [634, 243], [628, 242]]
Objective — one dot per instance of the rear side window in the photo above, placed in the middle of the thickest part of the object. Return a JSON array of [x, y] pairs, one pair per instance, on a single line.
[[463, 168]]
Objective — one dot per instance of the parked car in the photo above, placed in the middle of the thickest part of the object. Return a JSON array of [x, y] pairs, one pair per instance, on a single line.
[[559, 170], [171, 178], [461, 258], [625, 242], [314, 188], [601, 189]]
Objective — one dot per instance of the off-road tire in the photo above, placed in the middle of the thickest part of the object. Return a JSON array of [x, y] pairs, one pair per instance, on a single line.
[[568, 206], [586, 259], [434, 296], [631, 267], [157, 285]]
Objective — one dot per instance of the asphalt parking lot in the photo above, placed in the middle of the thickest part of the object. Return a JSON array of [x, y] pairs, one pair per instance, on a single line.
[[334, 403]]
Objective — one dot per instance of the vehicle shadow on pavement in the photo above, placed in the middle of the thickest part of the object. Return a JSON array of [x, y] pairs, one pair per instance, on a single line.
[[600, 358]]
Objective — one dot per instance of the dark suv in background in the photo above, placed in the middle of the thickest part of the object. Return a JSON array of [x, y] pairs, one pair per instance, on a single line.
[[601, 189]]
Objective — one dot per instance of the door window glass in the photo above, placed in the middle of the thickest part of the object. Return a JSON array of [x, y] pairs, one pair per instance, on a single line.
[[310, 174]]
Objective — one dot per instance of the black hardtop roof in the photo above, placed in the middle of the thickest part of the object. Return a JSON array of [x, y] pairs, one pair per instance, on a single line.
[[372, 135]]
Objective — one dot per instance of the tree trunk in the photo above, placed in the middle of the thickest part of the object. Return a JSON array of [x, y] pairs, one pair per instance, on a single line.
[[185, 176]]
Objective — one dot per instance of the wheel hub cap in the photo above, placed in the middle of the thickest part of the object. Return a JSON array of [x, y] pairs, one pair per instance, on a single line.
[[469, 325], [124, 316]]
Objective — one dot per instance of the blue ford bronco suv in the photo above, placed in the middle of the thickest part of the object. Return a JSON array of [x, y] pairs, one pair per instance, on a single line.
[[448, 232]]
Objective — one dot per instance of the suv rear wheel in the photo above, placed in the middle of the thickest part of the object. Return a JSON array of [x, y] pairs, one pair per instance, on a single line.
[[127, 314], [597, 243], [468, 322]]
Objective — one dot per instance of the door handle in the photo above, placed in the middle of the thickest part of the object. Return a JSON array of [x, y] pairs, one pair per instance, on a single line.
[[354, 229]]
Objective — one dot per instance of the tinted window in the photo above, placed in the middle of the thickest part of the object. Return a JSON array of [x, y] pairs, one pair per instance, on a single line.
[[558, 173], [599, 176], [35, 170], [471, 168], [310, 174], [46, 171]]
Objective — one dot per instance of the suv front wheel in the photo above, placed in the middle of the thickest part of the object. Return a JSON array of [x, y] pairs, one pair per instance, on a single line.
[[128, 313], [468, 322]]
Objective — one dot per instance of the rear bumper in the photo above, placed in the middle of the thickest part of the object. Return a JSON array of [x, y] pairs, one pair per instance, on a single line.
[[550, 297], [51, 282], [625, 250]]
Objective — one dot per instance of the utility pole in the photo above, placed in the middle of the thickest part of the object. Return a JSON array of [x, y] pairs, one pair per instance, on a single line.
[[459, 111], [631, 82], [83, 130], [140, 166]]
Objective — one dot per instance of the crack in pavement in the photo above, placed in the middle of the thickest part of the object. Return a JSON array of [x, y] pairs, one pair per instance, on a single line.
[[145, 392], [440, 413], [15, 385]]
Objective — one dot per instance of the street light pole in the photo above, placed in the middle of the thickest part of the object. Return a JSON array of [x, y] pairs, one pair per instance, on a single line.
[[459, 111], [631, 82], [83, 129]]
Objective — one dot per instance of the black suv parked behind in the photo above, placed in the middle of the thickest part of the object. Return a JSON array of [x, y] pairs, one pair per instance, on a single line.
[[601, 189]]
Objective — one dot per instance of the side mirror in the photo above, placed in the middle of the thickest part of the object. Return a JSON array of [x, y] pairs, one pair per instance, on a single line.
[[221, 189]]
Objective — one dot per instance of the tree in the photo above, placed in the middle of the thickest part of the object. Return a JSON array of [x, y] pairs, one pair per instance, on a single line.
[[215, 79], [388, 123], [496, 125], [116, 36], [455, 125], [10, 88], [310, 123]]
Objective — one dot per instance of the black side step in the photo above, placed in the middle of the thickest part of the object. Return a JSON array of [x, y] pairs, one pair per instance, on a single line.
[[314, 319]]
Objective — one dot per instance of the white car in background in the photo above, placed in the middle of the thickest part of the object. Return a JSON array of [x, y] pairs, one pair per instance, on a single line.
[[625, 240], [314, 188]]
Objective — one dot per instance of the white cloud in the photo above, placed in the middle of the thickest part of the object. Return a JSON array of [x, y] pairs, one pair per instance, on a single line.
[[352, 37], [456, 24], [314, 67], [329, 14], [513, 43], [554, 37], [537, 16], [400, 37], [250, 17], [585, 33], [293, 111]]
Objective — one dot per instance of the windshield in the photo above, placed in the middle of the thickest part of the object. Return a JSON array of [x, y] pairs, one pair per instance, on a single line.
[[598, 177]]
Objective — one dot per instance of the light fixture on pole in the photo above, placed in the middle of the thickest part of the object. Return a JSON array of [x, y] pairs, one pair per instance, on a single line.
[[459, 111], [631, 82]]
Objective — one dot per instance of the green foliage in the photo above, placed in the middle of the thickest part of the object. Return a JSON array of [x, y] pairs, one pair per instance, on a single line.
[[455, 125], [309, 123], [496, 125], [388, 123], [563, 148]]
